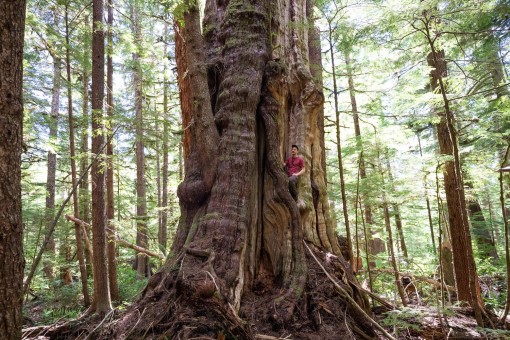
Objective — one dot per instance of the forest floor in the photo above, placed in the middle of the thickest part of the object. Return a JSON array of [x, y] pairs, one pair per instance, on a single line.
[[413, 322], [327, 319]]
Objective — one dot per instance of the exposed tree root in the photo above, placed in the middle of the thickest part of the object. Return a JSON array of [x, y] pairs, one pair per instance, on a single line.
[[172, 307]]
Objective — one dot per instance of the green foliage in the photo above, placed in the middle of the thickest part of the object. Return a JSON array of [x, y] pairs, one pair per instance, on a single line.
[[403, 318], [129, 286], [490, 333]]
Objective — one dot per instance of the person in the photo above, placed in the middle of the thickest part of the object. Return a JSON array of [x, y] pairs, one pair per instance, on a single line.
[[295, 167]]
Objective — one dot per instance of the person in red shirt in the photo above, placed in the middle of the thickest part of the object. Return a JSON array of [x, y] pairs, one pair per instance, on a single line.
[[295, 167]]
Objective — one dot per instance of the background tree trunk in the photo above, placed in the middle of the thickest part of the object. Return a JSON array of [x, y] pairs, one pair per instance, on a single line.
[[396, 209], [142, 239], [427, 200], [77, 228], [373, 249], [466, 278], [345, 208], [52, 170], [110, 205], [12, 27], [162, 232], [102, 303], [84, 163]]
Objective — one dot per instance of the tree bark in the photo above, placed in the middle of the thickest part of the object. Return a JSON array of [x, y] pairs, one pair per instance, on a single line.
[[12, 263], [102, 303]]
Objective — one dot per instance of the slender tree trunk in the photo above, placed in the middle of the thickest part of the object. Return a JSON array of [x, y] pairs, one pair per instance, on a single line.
[[12, 262], [77, 227], [52, 169], [110, 205], [466, 278], [339, 146], [84, 163], [162, 232], [507, 240], [359, 143], [142, 239], [102, 303], [427, 200], [396, 209], [393, 261]]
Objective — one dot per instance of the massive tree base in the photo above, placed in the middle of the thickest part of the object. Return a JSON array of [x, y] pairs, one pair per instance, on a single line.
[[171, 307]]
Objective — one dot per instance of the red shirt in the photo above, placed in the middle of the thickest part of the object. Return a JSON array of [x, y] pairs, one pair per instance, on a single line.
[[294, 165]]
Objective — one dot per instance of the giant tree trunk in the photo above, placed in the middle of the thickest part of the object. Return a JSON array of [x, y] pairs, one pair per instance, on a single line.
[[12, 26], [240, 248]]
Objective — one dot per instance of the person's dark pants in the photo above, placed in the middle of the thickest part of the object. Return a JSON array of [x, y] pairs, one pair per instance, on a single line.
[[293, 186]]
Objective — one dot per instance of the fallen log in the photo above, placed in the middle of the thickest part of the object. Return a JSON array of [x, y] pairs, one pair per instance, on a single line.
[[118, 239]]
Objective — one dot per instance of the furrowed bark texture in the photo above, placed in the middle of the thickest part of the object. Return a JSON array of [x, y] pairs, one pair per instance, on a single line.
[[102, 303], [247, 94], [12, 25]]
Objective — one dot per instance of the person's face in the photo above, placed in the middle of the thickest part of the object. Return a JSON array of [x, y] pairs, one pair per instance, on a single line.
[[294, 151]]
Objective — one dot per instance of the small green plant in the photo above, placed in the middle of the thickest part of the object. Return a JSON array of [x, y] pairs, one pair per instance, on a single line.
[[129, 285], [490, 333], [404, 318]]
